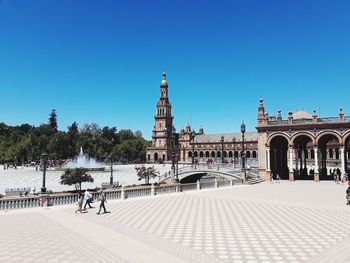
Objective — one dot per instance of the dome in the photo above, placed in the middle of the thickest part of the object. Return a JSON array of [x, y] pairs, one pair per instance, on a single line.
[[302, 115]]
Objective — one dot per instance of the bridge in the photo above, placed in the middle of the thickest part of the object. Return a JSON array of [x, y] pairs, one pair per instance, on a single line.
[[192, 173]]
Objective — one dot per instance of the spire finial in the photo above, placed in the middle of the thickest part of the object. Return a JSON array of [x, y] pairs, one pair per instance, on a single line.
[[164, 81]]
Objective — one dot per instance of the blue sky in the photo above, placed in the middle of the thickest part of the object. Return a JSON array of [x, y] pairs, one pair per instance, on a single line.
[[101, 61]]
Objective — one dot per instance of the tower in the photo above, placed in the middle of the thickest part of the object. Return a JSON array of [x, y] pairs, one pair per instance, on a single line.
[[261, 113], [162, 136]]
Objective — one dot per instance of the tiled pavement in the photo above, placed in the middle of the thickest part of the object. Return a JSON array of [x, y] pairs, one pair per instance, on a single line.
[[287, 222]]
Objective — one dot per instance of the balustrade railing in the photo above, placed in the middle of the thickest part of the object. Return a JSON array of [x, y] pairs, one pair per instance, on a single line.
[[68, 198]]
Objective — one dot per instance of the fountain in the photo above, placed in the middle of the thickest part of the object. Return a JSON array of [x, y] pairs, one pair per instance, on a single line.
[[84, 161]]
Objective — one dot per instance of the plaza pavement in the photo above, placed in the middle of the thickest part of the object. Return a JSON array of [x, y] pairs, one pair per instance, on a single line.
[[286, 222]]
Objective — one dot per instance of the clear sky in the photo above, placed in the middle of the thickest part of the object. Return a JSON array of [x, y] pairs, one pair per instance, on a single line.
[[101, 61]]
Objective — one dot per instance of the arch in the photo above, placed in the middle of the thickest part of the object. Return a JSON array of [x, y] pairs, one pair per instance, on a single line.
[[201, 154], [218, 154], [328, 132], [235, 155], [312, 154], [155, 156], [346, 136], [230, 154], [336, 153], [195, 154], [248, 154], [189, 154], [254, 155], [278, 156], [212, 154], [224, 153], [274, 135], [207, 154], [303, 133]]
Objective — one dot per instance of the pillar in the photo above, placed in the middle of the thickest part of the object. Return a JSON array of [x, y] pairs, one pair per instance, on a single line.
[[342, 157], [291, 173], [268, 170], [316, 174], [268, 159]]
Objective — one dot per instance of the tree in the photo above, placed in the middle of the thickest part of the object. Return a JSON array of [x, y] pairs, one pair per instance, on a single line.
[[76, 177], [146, 173], [53, 120]]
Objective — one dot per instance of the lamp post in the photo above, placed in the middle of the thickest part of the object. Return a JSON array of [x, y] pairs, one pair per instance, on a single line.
[[222, 148], [193, 134], [44, 159], [243, 155], [112, 160]]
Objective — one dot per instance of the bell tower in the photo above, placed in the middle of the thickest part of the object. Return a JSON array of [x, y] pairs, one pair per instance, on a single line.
[[162, 135]]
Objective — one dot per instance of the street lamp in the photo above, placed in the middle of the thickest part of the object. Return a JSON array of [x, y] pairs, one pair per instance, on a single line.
[[193, 134], [44, 159], [112, 159], [222, 148], [243, 155], [234, 149]]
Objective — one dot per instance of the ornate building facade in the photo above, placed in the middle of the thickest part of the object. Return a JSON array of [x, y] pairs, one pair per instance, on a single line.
[[203, 147], [302, 146]]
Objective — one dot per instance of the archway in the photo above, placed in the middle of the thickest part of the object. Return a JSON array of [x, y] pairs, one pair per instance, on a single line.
[[330, 166], [213, 154], [156, 157], [278, 157], [304, 166]]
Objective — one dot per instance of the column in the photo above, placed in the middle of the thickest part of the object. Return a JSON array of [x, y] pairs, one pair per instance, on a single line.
[[291, 173], [268, 159], [268, 170], [342, 157], [316, 174]]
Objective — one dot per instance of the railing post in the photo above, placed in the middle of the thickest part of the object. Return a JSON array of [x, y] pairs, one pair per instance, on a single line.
[[231, 182], [152, 190], [122, 194], [198, 185], [216, 183]]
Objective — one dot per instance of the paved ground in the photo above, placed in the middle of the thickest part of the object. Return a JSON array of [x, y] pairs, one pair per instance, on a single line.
[[287, 222]]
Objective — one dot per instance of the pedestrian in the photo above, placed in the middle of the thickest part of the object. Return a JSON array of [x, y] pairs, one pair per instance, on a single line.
[[103, 200], [271, 178], [80, 203], [277, 178], [348, 194], [87, 199]]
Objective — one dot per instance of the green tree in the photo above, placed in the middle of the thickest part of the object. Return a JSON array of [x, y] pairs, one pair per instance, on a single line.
[[145, 173], [76, 177], [53, 120]]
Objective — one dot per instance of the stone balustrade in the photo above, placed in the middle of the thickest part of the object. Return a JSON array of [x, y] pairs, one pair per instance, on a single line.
[[121, 193]]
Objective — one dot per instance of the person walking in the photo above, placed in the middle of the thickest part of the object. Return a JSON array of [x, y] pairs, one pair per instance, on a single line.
[[277, 178], [103, 200], [80, 203], [348, 194], [87, 198]]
